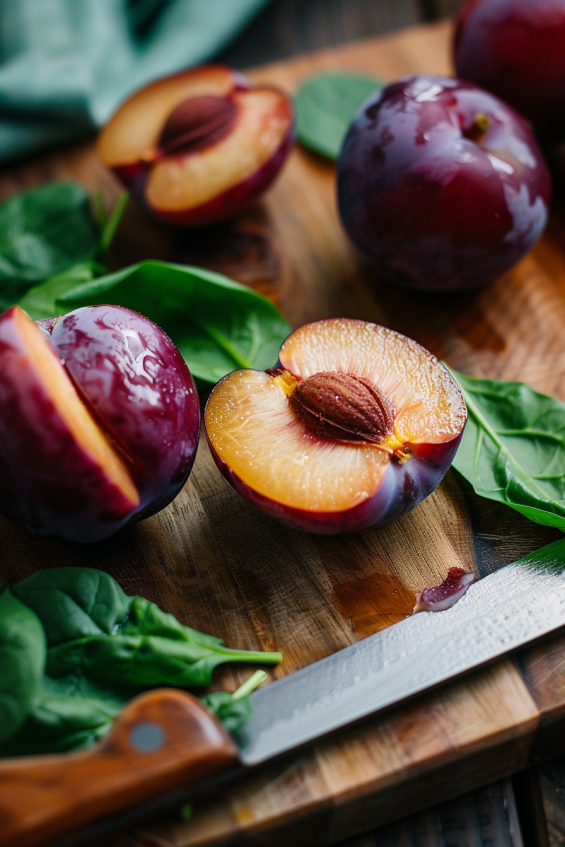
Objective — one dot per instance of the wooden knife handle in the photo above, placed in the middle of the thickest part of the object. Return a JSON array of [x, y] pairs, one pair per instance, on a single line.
[[163, 740]]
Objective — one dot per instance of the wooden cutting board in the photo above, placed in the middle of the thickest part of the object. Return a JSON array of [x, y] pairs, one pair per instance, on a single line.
[[222, 567]]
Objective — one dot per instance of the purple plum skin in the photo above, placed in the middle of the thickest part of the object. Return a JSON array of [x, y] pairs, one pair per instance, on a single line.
[[516, 49], [138, 384], [47, 482], [402, 489], [426, 205]]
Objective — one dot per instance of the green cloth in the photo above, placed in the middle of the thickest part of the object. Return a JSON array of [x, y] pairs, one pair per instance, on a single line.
[[65, 65]]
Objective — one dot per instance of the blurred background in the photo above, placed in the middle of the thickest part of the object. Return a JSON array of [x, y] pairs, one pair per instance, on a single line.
[[65, 65], [287, 27]]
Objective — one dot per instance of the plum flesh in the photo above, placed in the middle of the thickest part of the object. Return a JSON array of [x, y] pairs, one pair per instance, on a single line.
[[441, 186], [323, 484]]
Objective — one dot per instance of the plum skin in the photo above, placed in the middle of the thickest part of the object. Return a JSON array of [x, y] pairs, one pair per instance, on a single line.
[[492, 39], [48, 484], [136, 381], [425, 204], [402, 489]]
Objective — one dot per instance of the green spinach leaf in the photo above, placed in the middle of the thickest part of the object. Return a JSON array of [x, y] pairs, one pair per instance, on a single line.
[[22, 661], [549, 559], [41, 300], [325, 105], [217, 324], [114, 639], [513, 448], [44, 232], [234, 709], [103, 648], [70, 713]]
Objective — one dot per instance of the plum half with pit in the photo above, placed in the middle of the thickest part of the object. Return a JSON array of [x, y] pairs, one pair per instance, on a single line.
[[441, 185], [99, 421], [352, 429], [197, 147]]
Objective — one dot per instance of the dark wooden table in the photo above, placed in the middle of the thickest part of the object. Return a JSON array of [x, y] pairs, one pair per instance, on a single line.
[[527, 810]]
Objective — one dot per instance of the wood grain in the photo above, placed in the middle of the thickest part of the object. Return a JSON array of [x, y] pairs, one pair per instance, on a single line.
[[215, 563], [484, 818]]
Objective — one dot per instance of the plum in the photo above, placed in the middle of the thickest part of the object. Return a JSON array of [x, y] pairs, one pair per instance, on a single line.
[[516, 49], [99, 421], [353, 428], [441, 185], [198, 146]]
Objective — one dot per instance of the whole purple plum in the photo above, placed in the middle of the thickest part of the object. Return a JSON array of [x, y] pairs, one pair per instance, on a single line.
[[516, 49], [441, 185]]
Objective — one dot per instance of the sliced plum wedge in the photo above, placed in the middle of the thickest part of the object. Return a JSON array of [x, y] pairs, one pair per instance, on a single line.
[[353, 428]]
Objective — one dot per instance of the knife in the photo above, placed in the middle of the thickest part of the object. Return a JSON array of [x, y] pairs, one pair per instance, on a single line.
[[165, 747]]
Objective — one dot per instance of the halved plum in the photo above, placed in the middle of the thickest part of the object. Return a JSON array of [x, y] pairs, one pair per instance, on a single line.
[[57, 468], [99, 421], [198, 146], [356, 426]]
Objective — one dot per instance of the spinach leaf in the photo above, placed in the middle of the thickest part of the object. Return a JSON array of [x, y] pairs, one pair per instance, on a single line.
[[513, 448], [217, 324], [43, 232], [40, 300], [103, 648], [22, 660], [71, 713], [549, 559], [234, 709], [325, 105], [113, 639]]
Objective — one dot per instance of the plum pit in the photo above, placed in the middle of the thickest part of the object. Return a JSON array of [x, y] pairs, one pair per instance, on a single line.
[[197, 123], [343, 407]]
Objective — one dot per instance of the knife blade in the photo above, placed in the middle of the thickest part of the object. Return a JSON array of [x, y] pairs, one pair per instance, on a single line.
[[181, 750], [500, 613]]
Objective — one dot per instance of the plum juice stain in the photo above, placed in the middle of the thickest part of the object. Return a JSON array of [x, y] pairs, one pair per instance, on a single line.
[[373, 603]]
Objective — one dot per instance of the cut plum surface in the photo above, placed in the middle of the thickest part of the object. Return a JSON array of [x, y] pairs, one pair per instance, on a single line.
[[354, 428], [136, 127], [253, 429], [428, 402], [179, 182]]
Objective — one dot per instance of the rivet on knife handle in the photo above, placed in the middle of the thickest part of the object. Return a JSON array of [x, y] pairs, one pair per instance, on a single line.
[[163, 739]]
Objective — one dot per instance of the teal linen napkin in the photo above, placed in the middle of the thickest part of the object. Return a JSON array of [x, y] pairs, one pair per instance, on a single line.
[[65, 65]]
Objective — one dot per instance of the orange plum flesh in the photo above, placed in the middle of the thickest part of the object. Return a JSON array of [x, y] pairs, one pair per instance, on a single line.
[[322, 484], [198, 146]]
